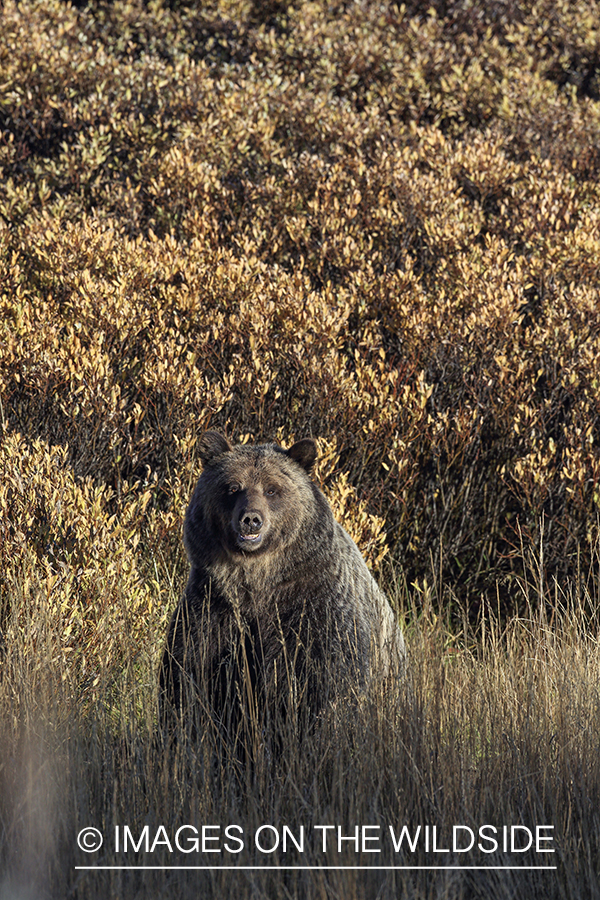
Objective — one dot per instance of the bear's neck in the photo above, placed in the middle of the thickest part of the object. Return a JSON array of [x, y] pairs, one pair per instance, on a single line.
[[251, 576]]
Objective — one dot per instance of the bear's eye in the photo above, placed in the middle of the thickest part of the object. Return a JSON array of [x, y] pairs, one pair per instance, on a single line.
[[233, 488], [270, 492]]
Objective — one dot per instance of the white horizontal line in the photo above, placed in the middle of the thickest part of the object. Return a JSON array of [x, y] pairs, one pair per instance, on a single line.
[[318, 868]]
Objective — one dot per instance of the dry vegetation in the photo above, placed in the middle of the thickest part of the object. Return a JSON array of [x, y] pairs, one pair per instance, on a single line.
[[363, 221]]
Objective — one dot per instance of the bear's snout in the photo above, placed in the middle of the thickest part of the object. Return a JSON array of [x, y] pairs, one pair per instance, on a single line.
[[250, 522]]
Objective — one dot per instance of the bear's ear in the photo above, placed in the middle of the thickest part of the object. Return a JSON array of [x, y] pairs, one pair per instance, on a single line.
[[304, 452], [212, 444]]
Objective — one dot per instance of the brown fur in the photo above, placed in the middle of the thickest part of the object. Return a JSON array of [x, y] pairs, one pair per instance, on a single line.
[[280, 610]]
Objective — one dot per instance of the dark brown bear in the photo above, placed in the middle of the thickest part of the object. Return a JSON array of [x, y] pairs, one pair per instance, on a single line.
[[280, 611]]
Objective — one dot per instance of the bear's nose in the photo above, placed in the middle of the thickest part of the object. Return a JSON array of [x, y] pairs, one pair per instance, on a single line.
[[251, 521]]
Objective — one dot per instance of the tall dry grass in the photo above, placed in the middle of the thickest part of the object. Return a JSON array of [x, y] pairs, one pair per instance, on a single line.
[[499, 725]]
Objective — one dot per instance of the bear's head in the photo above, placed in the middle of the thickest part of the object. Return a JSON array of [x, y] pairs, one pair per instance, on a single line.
[[250, 500]]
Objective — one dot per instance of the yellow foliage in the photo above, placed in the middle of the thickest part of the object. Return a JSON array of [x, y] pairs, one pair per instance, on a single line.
[[364, 222]]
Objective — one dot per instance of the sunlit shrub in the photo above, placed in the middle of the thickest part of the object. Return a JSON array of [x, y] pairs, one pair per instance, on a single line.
[[363, 222]]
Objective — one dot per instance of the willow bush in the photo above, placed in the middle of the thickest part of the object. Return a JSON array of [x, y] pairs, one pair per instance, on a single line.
[[363, 221]]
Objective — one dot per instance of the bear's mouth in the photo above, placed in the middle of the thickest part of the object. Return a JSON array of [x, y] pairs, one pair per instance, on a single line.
[[252, 539]]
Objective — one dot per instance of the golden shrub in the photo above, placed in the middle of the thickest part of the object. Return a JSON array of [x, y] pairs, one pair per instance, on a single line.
[[367, 223]]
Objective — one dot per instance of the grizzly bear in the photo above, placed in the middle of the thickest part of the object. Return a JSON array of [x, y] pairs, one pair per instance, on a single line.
[[280, 612]]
